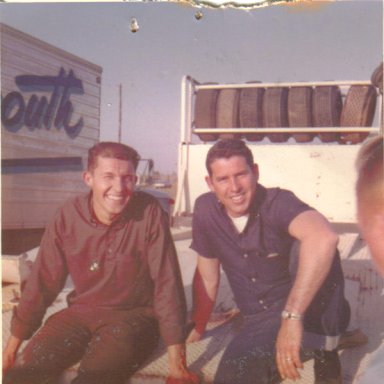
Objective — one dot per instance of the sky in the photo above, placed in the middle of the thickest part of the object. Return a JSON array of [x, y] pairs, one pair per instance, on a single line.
[[339, 40]]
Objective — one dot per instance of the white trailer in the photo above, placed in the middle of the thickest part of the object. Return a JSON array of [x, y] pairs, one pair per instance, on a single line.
[[50, 116], [319, 169]]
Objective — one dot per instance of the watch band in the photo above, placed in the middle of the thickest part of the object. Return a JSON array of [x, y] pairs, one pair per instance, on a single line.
[[290, 315]]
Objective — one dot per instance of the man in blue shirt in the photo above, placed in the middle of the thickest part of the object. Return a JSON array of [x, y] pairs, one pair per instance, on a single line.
[[292, 308]]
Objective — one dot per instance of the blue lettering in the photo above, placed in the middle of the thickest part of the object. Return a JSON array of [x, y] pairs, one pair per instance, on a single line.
[[41, 112]]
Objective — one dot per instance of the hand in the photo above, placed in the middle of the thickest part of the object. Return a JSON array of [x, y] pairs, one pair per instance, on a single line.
[[178, 371], [9, 353], [288, 349], [186, 378], [8, 361], [194, 336]]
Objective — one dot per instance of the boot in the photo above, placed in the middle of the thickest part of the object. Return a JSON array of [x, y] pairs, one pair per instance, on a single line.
[[327, 367]]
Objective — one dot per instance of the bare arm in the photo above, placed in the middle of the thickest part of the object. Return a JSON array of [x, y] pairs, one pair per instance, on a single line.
[[10, 351], [318, 245], [177, 362], [205, 287], [317, 249]]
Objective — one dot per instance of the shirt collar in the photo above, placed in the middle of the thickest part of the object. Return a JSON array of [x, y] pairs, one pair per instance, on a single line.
[[260, 195]]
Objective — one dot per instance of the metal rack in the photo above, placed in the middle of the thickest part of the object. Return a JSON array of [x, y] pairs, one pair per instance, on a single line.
[[189, 87]]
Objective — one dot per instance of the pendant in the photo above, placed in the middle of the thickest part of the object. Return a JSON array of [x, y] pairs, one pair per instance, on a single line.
[[94, 266]]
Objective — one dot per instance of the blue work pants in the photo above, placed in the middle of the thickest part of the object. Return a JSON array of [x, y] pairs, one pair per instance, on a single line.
[[250, 356]]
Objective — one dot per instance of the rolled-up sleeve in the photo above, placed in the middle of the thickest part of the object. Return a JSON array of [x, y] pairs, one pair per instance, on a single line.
[[284, 207], [201, 240]]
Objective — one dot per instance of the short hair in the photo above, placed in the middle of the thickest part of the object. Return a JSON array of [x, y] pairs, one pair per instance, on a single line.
[[370, 170], [111, 150], [227, 148]]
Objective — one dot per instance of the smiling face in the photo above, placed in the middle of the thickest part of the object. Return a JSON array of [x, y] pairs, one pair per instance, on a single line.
[[234, 183], [372, 228], [112, 182], [370, 215], [370, 197]]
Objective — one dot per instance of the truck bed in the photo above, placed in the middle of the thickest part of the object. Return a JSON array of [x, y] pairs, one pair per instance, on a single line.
[[364, 289]]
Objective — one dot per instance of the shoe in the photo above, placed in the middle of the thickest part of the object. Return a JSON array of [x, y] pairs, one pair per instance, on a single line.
[[351, 339]]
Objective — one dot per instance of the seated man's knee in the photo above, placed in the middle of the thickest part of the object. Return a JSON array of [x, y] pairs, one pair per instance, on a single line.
[[101, 377], [30, 375]]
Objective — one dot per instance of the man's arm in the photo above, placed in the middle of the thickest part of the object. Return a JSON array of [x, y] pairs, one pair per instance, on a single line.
[[205, 287], [318, 245], [10, 351], [169, 299], [177, 363]]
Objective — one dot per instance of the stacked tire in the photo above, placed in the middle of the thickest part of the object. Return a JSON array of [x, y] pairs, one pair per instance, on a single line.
[[300, 111], [205, 112], [275, 112], [227, 111], [377, 81], [250, 111], [358, 111], [326, 110]]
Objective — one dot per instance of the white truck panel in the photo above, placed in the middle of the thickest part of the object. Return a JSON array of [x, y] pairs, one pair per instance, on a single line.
[[322, 176]]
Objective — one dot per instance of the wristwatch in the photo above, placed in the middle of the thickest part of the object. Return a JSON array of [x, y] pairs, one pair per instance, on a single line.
[[290, 315]]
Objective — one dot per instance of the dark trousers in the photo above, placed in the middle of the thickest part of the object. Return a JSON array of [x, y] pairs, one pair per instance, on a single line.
[[109, 344], [250, 356]]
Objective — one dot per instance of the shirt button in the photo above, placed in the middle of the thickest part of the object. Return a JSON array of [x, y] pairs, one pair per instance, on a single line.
[[109, 251], [245, 255], [253, 279], [261, 301]]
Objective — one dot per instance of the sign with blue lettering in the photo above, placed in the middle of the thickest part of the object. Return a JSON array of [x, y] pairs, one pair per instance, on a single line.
[[17, 110]]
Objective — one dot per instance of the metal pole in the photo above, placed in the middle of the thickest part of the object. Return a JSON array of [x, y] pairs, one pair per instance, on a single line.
[[120, 112]]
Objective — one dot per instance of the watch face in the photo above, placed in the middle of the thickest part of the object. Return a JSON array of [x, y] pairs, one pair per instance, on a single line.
[[289, 315]]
